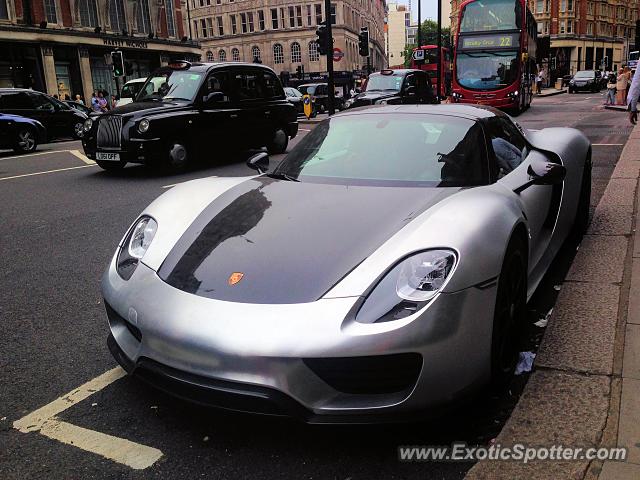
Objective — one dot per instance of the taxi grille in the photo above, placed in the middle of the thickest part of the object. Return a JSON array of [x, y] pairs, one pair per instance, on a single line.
[[109, 128]]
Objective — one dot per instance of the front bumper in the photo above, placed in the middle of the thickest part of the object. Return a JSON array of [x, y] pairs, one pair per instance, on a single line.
[[135, 150], [264, 358]]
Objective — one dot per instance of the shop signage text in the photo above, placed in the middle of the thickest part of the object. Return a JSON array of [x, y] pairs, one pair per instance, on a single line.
[[115, 42]]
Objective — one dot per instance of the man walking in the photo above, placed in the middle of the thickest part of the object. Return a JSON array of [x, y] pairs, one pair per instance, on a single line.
[[632, 98]]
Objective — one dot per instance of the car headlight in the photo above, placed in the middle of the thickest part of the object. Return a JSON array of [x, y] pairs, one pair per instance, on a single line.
[[408, 287], [135, 245], [143, 126], [88, 123], [572, 82]]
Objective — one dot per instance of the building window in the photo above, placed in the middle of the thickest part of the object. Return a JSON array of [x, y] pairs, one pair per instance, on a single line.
[[4, 12], [563, 5], [143, 23], [234, 26], [222, 56], [282, 18], [318, 7], [274, 18], [243, 21], [309, 16], [292, 18], [220, 26], [50, 11], [278, 54], [261, 20], [235, 54], [570, 5], [171, 19], [314, 55], [250, 19], [210, 56], [562, 27], [296, 53], [210, 31], [203, 28], [540, 6], [255, 54], [195, 28], [299, 16], [569, 26], [116, 16]]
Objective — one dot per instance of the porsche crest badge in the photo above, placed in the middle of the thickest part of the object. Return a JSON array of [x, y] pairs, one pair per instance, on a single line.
[[234, 278]]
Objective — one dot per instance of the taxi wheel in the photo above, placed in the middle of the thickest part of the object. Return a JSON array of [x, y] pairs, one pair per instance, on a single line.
[[111, 166], [279, 142], [177, 158]]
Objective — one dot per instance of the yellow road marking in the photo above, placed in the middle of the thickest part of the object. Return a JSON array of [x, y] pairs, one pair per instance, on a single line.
[[82, 156], [120, 450], [44, 173]]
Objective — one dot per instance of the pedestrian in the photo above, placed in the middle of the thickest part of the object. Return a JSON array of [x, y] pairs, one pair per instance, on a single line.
[[79, 99], [55, 95], [611, 90], [543, 78], [95, 104], [621, 87], [105, 95], [627, 73], [102, 102], [632, 98], [538, 83]]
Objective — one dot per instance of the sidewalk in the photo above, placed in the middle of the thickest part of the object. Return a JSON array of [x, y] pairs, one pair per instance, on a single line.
[[549, 92], [585, 389]]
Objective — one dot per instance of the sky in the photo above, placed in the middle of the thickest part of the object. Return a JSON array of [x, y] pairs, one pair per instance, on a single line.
[[429, 8]]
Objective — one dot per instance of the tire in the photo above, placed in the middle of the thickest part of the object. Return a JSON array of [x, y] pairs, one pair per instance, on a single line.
[[26, 140], [111, 166], [177, 159], [581, 221], [510, 313], [78, 130], [279, 142]]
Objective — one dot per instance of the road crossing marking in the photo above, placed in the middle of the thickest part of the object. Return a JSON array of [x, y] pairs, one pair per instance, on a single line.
[[82, 156], [44, 421], [13, 157], [44, 173], [607, 144]]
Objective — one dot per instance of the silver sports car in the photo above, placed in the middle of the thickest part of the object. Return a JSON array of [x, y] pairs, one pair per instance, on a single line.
[[380, 271]]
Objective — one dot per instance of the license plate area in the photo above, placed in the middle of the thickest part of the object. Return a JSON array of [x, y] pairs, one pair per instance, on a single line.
[[110, 157]]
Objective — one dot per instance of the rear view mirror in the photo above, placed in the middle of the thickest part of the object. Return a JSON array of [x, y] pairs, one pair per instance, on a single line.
[[259, 162]]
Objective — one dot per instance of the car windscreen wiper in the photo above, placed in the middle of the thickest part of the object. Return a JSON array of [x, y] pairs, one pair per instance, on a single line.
[[282, 176]]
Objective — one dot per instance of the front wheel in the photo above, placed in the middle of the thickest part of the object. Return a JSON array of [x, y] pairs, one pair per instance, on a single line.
[[278, 143], [510, 313], [177, 158], [111, 166], [26, 141], [78, 130]]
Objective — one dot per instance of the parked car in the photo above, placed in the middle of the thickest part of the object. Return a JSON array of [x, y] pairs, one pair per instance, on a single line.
[[78, 106], [398, 86], [294, 97], [380, 271], [20, 133], [58, 118], [319, 93], [589, 80], [129, 91], [188, 107]]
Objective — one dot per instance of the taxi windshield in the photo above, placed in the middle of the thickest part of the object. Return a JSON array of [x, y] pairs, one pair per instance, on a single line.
[[171, 85], [384, 82]]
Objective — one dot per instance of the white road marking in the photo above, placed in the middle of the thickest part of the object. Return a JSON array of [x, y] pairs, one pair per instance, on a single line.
[[120, 450], [44, 173], [82, 156], [13, 157], [607, 144]]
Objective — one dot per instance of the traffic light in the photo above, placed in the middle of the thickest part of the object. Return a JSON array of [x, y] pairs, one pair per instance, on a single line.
[[117, 60], [363, 42], [300, 72], [323, 40]]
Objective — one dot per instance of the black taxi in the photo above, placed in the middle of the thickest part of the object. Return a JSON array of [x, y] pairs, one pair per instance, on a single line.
[[185, 108]]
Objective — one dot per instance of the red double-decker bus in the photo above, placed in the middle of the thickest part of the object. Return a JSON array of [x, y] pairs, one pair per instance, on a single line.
[[427, 60], [495, 56]]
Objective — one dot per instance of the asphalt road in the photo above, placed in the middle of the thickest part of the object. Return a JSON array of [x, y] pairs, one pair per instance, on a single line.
[[60, 220]]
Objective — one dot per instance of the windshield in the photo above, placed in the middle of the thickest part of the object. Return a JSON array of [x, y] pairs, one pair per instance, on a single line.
[[292, 92], [130, 90], [489, 15], [308, 89], [486, 70], [390, 150], [384, 82], [171, 85], [585, 74]]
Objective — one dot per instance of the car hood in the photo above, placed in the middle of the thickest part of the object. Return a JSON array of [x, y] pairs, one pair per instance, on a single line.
[[369, 98], [288, 242], [146, 107]]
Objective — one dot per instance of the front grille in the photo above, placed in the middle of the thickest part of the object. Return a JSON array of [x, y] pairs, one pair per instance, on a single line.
[[368, 375], [484, 95], [109, 131]]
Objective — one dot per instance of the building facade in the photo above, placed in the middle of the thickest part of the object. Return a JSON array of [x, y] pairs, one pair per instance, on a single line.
[[398, 22], [63, 47], [582, 34], [282, 34]]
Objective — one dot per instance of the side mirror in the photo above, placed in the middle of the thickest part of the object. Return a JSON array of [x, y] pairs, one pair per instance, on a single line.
[[543, 173], [259, 162], [213, 97]]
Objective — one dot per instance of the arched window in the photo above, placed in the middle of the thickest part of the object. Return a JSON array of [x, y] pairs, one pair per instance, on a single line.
[[255, 53], [278, 54], [222, 56], [314, 55], [210, 56], [296, 53], [235, 54]]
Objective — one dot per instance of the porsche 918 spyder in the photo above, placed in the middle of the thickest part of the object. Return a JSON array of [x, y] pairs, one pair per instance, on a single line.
[[380, 271]]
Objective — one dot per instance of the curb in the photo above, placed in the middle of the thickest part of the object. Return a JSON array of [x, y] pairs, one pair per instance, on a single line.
[[620, 108], [573, 397], [551, 94]]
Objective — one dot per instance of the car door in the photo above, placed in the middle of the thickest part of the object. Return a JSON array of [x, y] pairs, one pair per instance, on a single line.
[[219, 120], [250, 98], [423, 86], [540, 203], [19, 103], [275, 109], [45, 111]]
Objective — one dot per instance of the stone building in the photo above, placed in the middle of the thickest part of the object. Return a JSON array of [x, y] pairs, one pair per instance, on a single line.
[[398, 21], [282, 34], [63, 46]]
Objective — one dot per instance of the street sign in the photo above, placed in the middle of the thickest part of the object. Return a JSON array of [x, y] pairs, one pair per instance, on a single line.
[[307, 105], [418, 55], [337, 54]]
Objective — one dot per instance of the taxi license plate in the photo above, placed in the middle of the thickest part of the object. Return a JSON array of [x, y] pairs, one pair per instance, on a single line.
[[113, 157]]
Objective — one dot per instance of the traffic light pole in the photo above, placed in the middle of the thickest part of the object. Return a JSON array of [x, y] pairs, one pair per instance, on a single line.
[[331, 92], [439, 64]]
